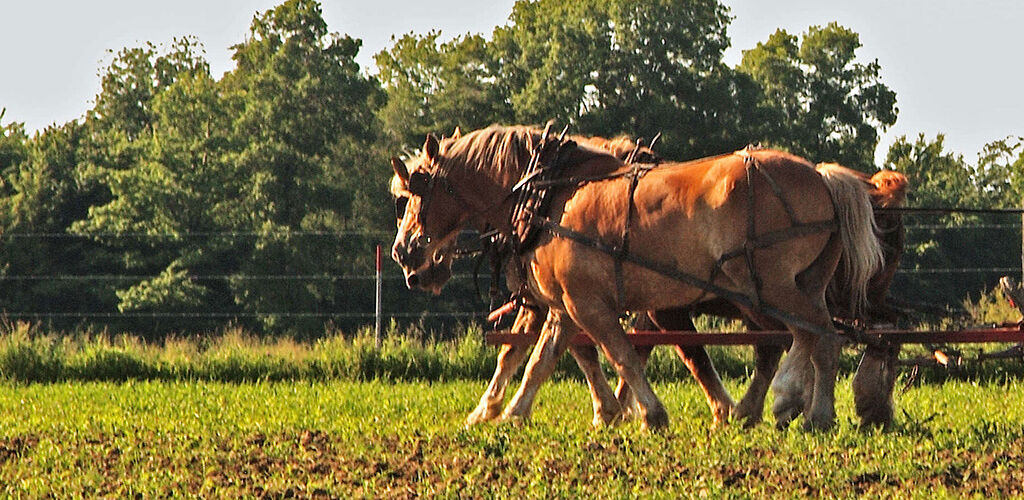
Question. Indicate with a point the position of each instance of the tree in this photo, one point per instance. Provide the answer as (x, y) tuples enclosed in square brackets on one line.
[(44, 196), (999, 174), (158, 155), (13, 149), (665, 74), (938, 178), (941, 179), (824, 105), (434, 88), (623, 66), (307, 117), (246, 179)]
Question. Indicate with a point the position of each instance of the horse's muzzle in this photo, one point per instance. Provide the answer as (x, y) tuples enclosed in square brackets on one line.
[(422, 272)]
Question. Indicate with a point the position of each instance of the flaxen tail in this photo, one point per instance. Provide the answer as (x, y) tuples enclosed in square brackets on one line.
[(862, 252)]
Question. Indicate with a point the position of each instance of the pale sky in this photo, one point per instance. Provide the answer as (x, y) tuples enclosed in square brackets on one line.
[(955, 64)]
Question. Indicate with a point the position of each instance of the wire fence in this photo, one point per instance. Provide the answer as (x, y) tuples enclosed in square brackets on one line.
[(912, 272)]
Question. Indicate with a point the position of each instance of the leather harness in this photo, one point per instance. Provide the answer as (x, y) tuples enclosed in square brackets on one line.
[(530, 216)]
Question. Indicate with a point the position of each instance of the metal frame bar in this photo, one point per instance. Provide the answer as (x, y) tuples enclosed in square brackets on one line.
[(682, 338)]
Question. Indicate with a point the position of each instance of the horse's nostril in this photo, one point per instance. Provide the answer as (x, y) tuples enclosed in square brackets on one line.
[(412, 280)]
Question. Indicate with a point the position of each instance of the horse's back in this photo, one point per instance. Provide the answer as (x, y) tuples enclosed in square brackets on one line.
[(722, 187)]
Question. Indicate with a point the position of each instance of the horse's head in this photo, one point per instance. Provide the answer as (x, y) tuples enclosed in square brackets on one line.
[(890, 189), (624, 147), (430, 215)]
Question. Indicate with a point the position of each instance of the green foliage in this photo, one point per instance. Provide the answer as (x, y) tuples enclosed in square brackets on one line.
[(28, 355), (825, 105), (941, 179), (638, 67), (435, 87), (214, 178), (993, 308), (12, 145), (1000, 173), (938, 177), (257, 198)]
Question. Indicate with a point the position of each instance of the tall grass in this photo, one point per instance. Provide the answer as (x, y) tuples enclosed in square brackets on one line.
[(29, 354)]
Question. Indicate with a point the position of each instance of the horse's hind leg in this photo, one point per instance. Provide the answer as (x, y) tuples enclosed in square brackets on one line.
[(510, 358), (805, 382), (873, 385), (623, 394), (809, 370)]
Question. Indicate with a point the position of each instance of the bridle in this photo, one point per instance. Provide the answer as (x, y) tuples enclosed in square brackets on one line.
[(422, 184)]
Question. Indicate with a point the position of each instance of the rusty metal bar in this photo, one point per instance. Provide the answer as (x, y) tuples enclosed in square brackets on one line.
[(965, 336)]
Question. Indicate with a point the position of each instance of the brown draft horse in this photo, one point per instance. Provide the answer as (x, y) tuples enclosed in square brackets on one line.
[(685, 218), (530, 318), (887, 190)]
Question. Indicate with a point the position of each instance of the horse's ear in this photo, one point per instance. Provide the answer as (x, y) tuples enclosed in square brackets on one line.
[(457, 134), (400, 169), (430, 147)]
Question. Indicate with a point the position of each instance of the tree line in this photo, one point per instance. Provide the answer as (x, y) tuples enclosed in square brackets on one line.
[(249, 195)]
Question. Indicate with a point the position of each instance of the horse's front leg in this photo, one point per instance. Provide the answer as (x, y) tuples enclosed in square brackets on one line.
[(603, 326), (510, 358), (751, 407), (696, 360), (529, 319), (607, 408), (553, 341)]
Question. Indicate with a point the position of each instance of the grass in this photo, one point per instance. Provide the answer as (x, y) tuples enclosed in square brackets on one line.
[(232, 415), (381, 439), (30, 355)]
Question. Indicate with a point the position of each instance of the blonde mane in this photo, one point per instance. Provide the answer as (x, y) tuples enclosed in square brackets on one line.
[(499, 149)]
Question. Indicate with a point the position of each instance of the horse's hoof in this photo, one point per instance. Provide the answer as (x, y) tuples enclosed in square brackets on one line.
[(746, 420), (603, 422), (878, 417), (656, 420), (784, 415), (474, 419), (814, 423), (481, 415), (606, 419), (513, 420)]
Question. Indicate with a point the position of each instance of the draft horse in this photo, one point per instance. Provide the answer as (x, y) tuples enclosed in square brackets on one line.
[(873, 381), (697, 230)]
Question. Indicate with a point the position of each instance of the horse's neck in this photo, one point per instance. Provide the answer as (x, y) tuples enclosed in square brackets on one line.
[(494, 188)]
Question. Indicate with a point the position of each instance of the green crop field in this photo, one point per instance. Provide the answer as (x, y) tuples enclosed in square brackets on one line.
[(345, 439), (233, 415)]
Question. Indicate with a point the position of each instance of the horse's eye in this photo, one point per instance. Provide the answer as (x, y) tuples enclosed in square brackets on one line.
[(400, 204), (419, 183)]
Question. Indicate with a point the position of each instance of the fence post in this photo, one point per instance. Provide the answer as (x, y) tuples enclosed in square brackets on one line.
[(377, 304)]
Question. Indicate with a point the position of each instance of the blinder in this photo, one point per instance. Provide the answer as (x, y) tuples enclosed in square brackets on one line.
[(400, 204), (419, 183)]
